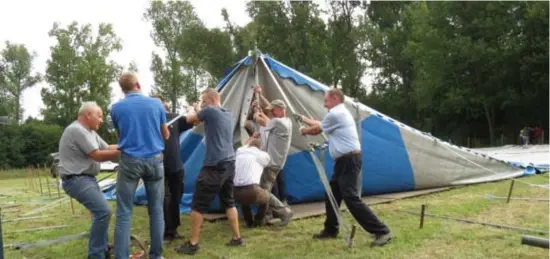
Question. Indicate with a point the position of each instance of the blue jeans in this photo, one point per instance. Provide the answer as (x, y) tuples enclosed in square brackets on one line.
[(86, 191), (131, 170)]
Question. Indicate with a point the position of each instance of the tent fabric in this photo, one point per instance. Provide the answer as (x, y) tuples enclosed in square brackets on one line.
[(395, 156)]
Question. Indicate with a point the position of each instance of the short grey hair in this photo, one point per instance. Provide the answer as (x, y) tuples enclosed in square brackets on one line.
[(87, 106)]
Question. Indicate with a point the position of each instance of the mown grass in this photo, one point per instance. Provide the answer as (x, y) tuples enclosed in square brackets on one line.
[(437, 239)]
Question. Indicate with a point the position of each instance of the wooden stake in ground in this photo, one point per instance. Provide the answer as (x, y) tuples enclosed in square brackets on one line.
[(48, 183), (57, 184), (1, 237), (510, 191), (39, 180), (72, 206), (422, 210)]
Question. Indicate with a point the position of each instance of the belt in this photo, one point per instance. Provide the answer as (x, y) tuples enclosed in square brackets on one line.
[(354, 152), (246, 186), (70, 176)]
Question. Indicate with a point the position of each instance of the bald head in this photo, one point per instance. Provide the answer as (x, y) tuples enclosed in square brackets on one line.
[(128, 82), (210, 97)]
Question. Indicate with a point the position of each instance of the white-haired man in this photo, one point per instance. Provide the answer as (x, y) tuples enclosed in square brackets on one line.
[(80, 151), (345, 184)]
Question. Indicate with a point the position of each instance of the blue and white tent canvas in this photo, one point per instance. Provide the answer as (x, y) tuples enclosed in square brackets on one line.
[(395, 156)]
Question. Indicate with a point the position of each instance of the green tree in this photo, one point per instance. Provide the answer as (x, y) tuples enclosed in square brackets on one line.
[(78, 70), (16, 77), (467, 57), (170, 20), (387, 30)]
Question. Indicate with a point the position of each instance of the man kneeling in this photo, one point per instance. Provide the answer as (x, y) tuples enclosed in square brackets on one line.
[(249, 165)]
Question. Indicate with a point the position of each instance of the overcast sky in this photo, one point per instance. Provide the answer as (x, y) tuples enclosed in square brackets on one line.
[(28, 22)]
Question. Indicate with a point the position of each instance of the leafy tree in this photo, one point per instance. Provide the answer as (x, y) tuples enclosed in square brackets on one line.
[(16, 76), (79, 70), (170, 20)]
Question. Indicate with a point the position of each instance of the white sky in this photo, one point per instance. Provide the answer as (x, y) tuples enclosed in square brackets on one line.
[(28, 22)]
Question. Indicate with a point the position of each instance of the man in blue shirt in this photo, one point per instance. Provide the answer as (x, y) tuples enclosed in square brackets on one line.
[(141, 125), (345, 149)]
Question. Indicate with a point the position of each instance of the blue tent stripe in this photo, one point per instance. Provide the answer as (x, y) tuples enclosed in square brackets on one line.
[(245, 61)]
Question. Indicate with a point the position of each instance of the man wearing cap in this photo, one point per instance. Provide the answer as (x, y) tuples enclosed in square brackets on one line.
[(277, 136)]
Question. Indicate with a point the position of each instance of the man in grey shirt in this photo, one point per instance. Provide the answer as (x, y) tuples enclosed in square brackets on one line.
[(218, 171), (278, 129), (80, 151)]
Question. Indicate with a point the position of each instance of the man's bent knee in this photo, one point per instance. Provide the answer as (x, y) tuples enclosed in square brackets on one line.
[(103, 214)]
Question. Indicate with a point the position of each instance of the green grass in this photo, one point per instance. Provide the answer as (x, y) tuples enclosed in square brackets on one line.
[(438, 239)]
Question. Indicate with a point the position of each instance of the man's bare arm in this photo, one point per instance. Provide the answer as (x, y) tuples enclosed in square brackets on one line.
[(312, 130), (192, 116), (104, 155), (165, 132), (261, 119), (311, 122), (112, 147)]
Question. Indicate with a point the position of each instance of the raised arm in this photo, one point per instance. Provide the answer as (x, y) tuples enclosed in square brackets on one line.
[(192, 116), (264, 103)]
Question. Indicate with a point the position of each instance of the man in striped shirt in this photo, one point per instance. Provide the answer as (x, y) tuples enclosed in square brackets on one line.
[(249, 165)]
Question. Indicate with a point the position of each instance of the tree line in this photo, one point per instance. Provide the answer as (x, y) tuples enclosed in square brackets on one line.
[(455, 69)]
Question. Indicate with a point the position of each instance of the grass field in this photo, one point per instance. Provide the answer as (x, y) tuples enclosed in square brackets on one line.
[(437, 239)]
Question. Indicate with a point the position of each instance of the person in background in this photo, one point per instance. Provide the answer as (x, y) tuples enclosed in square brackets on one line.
[(173, 174), (218, 171), (345, 184), (525, 134), (537, 135), (141, 125), (80, 152)]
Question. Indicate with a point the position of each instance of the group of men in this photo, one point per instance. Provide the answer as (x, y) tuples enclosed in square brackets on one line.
[(148, 150)]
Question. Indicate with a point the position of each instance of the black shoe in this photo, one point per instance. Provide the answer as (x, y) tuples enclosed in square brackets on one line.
[(188, 248), (177, 235), (235, 242), (110, 250), (325, 235)]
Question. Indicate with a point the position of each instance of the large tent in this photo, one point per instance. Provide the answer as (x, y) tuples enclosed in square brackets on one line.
[(396, 157)]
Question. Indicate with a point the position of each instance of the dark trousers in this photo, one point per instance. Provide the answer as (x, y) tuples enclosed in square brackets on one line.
[(279, 189), (173, 190), (346, 183)]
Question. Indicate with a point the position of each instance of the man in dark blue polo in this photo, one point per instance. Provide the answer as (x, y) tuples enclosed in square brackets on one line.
[(173, 174), (141, 125)]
